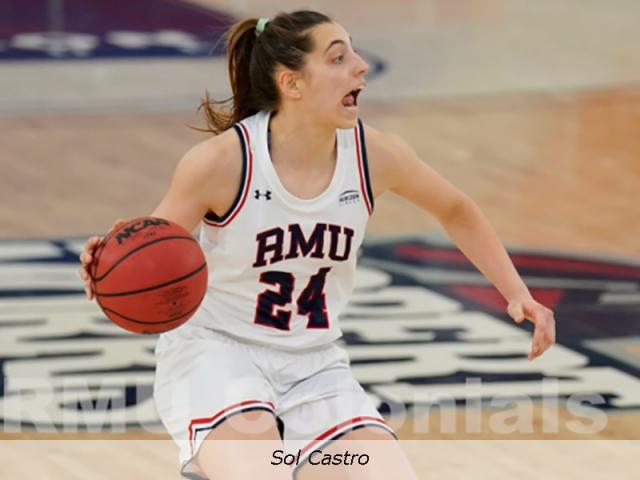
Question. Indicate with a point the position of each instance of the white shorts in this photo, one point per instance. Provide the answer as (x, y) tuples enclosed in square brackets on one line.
[(204, 377)]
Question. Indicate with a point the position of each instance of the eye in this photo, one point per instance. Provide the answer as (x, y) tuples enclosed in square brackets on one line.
[(338, 59)]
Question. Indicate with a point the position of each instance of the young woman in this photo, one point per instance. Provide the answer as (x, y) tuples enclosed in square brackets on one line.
[(283, 191)]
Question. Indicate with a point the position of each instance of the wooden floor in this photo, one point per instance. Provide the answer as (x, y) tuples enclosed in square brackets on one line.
[(550, 170), (463, 459), (553, 168)]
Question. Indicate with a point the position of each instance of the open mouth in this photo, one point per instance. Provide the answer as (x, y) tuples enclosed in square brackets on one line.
[(351, 98)]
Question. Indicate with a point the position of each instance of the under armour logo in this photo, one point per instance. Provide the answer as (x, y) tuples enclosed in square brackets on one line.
[(257, 194)]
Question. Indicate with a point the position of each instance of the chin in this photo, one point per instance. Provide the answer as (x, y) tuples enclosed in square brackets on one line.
[(346, 122), (341, 119)]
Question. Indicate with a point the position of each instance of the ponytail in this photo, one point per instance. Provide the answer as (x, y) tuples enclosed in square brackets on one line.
[(252, 59)]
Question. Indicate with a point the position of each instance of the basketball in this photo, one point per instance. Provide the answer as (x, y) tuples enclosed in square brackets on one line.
[(149, 275)]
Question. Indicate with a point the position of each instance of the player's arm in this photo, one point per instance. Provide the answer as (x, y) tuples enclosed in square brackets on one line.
[(399, 169), (206, 178)]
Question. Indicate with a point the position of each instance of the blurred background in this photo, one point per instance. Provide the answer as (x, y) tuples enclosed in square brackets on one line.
[(531, 108)]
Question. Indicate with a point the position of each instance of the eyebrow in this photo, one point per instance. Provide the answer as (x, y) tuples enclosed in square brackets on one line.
[(336, 42)]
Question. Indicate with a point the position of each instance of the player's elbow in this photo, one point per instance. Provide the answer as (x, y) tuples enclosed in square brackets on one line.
[(460, 206)]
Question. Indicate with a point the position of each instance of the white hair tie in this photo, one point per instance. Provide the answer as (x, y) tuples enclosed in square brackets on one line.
[(261, 24)]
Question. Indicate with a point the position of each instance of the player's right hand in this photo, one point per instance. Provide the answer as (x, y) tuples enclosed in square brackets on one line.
[(86, 257)]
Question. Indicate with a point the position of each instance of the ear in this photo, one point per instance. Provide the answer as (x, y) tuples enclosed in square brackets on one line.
[(288, 82)]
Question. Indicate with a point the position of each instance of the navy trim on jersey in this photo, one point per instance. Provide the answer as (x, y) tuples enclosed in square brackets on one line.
[(210, 216), (365, 165)]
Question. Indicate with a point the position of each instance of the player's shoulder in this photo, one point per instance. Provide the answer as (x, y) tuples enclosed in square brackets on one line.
[(217, 157), (387, 144), (212, 170), (218, 152), (388, 156)]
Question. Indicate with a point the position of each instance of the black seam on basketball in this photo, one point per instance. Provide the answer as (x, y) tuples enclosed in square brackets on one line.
[(148, 289), (121, 259), (97, 299), (150, 322)]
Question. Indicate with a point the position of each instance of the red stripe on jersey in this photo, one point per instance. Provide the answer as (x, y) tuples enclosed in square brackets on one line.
[(363, 185)]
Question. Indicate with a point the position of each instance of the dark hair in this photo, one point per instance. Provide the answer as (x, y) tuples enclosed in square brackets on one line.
[(252, 60)]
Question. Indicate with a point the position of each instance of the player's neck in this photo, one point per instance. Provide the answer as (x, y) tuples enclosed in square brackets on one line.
[(301, 142)]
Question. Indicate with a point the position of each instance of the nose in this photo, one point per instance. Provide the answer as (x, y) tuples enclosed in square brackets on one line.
[(362, 67)]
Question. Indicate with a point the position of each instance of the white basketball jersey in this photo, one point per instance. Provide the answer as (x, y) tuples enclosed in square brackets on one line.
[(281, 268)]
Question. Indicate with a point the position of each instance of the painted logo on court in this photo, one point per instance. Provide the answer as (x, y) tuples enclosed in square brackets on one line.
[(428, 322), (421, 322)]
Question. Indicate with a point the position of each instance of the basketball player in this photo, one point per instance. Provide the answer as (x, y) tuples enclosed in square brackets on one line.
[(283, 192)]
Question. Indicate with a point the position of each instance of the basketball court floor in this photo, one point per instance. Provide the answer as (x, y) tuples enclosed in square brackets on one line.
[(531, 108)]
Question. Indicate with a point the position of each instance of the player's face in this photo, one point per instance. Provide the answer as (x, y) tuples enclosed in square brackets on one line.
[(333, 77)]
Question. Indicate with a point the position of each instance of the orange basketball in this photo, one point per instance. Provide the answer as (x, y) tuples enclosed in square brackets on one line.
[(149, 275)]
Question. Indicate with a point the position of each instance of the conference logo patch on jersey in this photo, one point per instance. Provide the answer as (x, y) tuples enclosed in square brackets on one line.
[(349, 197), (421, 322)]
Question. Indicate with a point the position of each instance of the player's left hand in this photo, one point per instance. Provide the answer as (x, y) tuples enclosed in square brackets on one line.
[(544, 334)]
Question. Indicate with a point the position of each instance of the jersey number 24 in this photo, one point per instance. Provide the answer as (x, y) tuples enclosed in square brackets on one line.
[(311, 301)]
